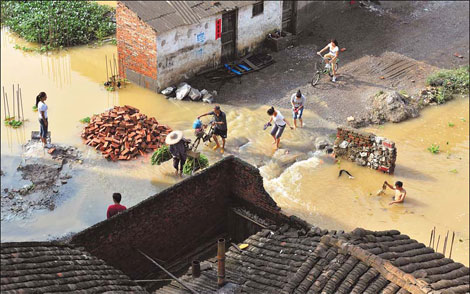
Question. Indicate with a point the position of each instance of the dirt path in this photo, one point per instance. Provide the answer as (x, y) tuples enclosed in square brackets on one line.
[(400, 41)]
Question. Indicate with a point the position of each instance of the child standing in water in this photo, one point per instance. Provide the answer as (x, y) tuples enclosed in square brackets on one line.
[(400, 193)]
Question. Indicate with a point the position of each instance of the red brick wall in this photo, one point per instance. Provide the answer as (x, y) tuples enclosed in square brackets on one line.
[(176, 221), (136, 43)]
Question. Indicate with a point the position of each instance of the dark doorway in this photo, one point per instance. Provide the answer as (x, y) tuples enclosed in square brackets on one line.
[(229, 26), (288, 19)]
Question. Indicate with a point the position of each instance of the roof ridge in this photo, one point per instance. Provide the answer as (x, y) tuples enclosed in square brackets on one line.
[(384, 267)]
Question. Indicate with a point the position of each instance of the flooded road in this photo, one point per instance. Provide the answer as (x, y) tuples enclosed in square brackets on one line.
[(73, 81)]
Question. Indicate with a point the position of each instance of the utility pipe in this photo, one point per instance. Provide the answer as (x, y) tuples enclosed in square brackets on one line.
[(221, 262)]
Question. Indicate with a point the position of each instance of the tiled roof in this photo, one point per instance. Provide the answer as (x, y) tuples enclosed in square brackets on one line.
[(165, 15), (294, 261), (52, 267)]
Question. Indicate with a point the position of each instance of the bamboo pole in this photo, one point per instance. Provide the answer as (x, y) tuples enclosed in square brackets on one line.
[(438, 239), (8, 106), (106, 61), (433, 237), (4, 104), (21, 100), (451, 244), (115, 68), (13, 100), (445, 243), (167, 272), (430, 239), (18, 100), (111, 69)]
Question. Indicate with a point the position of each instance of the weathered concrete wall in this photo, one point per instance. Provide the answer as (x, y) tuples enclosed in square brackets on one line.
[(184, 51), (136, 47), (305, 15), (176, 221), (252, 30), (366, 149)]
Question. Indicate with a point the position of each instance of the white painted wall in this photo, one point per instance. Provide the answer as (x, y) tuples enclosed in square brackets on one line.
[(252, 30), (184, 51)]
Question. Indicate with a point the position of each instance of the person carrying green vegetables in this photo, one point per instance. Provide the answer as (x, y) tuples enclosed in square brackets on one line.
[(177, 149)]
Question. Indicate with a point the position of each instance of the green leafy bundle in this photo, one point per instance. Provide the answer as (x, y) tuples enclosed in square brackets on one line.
[(192, 164), (58, 23), (85, 120), (161, 155)]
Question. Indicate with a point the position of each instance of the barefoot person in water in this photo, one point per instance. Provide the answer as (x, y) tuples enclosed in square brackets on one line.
[(279, 125), (400, 193), (220, 122)]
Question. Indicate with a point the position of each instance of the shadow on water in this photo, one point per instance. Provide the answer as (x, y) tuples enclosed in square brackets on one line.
[(410, 173)]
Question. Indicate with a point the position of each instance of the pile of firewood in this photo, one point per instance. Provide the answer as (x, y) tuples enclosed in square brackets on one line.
[(123, 133)]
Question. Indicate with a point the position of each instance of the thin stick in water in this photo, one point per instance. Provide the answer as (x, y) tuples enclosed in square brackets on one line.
[(4, 103), (433, 237), (430, 239), (18, 101), (438, 239), (451, 244), (445, 243), (8, 106), (106, 61), (13, 100), (21, 100)]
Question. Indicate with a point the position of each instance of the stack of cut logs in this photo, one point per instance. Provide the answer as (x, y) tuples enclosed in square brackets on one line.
[(123, 133)]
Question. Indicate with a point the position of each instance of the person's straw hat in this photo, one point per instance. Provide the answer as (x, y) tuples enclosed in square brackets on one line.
[(173, 137)]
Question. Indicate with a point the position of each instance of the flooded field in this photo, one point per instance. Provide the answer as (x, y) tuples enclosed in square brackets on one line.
[(437, 185)]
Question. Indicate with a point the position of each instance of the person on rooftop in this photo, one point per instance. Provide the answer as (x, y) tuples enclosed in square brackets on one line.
[(116, 207)]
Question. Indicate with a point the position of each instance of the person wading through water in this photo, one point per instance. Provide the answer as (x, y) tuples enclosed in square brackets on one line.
[(279, 125), (43, 119), (220, 122), (298, 103), (177, 149)]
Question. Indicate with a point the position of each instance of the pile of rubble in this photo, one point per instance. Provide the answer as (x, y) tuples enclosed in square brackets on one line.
[(366, 149), (184, 90), (123, 133)]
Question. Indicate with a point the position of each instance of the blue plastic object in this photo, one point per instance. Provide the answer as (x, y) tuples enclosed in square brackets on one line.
[(197, 124), (232, 70), (244, 67)]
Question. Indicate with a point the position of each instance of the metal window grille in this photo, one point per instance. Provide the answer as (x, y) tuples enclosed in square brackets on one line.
[(258, 8)]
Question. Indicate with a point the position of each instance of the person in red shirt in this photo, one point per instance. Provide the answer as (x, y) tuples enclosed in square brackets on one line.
[(116, 207)]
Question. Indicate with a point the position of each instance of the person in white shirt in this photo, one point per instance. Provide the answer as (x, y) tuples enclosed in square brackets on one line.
[(279, 125), (43, 122), (298, 102), (330, 57)]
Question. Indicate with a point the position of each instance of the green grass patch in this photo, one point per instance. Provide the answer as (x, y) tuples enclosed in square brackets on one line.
[(450, 82), (434, 149), (58, 23), (13, 123), (450, 124)]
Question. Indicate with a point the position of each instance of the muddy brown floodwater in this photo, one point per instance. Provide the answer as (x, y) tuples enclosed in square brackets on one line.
[(437, 185)]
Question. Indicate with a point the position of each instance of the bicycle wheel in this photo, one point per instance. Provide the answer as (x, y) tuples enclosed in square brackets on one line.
[(316, 78)]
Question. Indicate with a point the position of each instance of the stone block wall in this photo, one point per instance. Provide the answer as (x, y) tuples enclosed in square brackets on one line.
[(366, 149), (136, 47), (175, 222)]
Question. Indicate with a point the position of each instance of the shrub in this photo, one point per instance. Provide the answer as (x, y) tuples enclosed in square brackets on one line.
[(434, 149), (58, 23), (454, 81)]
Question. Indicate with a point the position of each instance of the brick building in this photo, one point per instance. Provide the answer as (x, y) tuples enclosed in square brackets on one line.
[(161, 43)]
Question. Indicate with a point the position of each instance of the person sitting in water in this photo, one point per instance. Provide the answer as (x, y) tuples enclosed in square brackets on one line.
[(400, 193), (177, 149), (279, 124), (116, 207), (220, 129)]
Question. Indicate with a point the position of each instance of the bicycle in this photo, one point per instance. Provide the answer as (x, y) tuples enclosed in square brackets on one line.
[(321, 69)]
